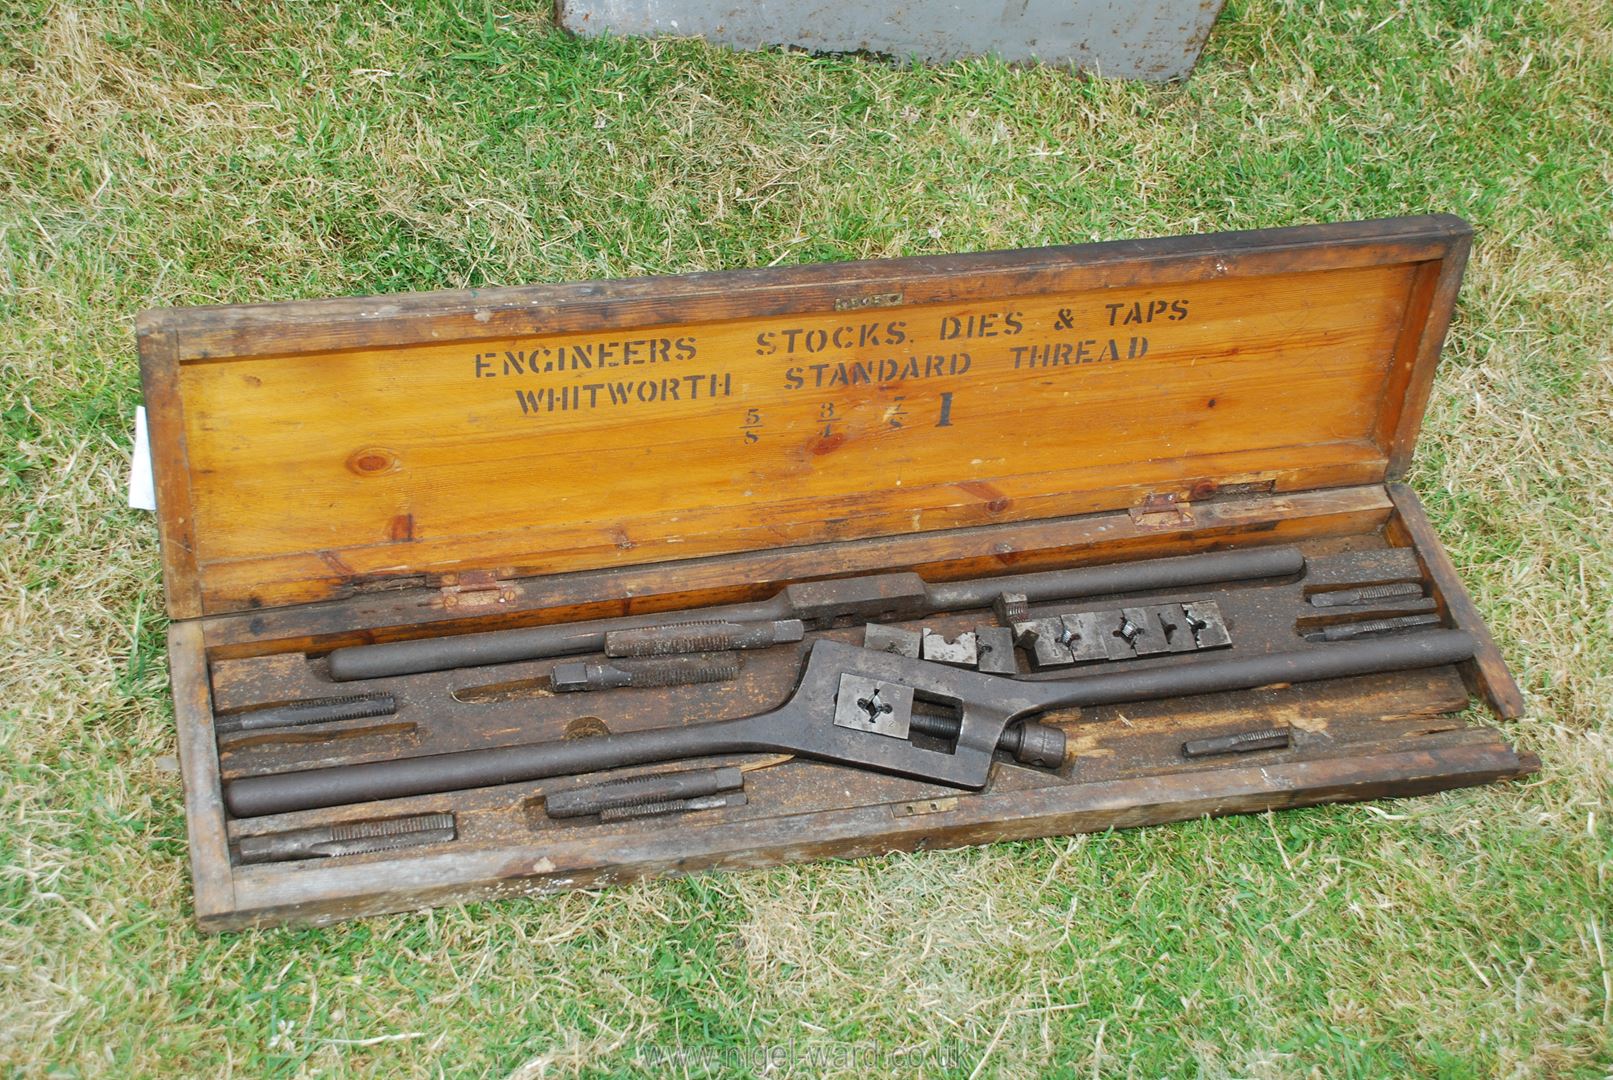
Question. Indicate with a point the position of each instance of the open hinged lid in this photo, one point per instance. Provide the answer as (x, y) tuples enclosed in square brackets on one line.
[(305, 449)]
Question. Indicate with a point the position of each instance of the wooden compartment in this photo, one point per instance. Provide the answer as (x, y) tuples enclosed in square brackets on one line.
[(334, 473)]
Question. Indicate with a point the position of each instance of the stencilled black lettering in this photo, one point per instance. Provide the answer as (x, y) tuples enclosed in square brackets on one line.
[(843, 375), (1059, 354), (574, 356), (1143, 312), (882, 372), (624, 393)]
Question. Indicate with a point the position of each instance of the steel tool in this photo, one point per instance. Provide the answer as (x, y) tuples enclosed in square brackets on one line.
[(995, 646), (962, 651), (672, 806), (1346, 597), (326, 710), (1056, 641), (1242, 742), (1203, 620), (643, 791), (656, 671), (1348, 631), (701, 637), (351, 838), (894, 640), (1011, 608), (855, 707), (819, 604)]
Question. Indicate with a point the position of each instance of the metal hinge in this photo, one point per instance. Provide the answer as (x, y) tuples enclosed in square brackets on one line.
[(477, 588), (925, 806)]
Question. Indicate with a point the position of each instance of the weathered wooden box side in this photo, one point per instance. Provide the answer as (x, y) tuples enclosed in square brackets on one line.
[(1391, 742)]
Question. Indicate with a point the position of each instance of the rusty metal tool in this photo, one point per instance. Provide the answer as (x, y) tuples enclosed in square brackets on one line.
[(579, 675), (1350, 630), (672, 806), (637, 791), (854, 707), (1241, 743), (893, 639), (1011, 608), (1134, 632), (995, 648), (962, 651), (819, 604), (701, 637), (1063, 640), (1205, 623), (325, 710), (1365, 594), (350, 838), (1055, 641)]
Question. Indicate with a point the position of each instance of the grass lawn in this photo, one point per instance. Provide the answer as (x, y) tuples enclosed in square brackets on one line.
[(169, 153)]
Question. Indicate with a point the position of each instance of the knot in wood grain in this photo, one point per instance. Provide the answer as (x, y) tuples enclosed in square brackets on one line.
[(372, 461)]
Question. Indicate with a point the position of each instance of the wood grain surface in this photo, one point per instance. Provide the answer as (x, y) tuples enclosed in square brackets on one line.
[(347, 471), (693, 422)]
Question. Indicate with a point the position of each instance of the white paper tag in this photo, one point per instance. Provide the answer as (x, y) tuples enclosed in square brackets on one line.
[(142, 488)]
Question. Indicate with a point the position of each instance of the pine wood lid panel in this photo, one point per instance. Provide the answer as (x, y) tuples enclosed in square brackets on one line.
[(1055, 384)]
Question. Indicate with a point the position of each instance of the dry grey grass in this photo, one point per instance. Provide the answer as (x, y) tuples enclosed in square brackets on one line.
[(163, 154)]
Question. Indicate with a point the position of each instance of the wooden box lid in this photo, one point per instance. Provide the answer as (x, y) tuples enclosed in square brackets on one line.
[(304, 450)]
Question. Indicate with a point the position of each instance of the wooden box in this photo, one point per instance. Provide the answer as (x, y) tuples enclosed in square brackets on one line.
[(332, 473)]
